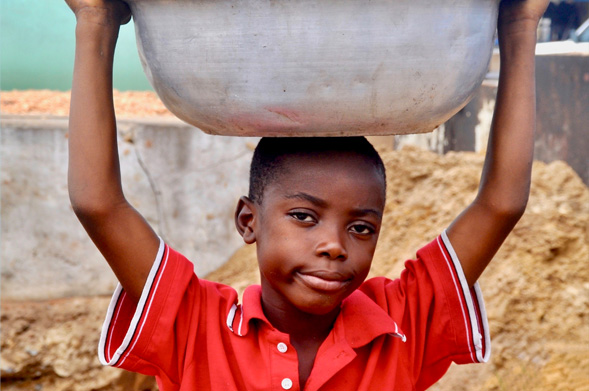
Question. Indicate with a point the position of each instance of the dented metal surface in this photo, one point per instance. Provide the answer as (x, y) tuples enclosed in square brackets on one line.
[(331, 67)]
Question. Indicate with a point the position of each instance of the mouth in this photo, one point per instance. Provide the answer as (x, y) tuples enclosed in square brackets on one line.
[(324, 281)]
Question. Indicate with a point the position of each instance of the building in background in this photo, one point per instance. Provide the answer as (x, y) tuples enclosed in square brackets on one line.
[(37, 44), (564, 17), (37, 48)]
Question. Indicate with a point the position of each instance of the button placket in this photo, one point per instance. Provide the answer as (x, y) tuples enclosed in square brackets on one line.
[(283, 362)]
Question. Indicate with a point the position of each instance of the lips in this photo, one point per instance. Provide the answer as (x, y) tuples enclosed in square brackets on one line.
[(323, 280)]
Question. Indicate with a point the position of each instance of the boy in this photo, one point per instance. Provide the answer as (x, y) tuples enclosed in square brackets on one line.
[(314, 210)]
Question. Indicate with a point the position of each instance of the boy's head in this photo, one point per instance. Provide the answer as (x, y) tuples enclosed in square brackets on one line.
[(271, 154), (314, 209)]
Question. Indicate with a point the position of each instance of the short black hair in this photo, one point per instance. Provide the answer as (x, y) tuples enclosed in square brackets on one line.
[(271, 152)]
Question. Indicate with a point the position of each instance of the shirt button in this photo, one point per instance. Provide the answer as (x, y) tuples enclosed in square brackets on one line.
[(286, 383), (282, 348)]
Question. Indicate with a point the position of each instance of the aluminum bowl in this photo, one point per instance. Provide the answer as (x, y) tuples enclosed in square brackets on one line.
[(305, 68)]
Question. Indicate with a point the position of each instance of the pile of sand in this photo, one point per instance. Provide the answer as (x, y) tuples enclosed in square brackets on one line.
[(128, 104), (536, 289)]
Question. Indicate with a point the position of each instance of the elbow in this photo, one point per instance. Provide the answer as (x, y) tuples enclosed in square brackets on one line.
[(92, 208), (85, 210), (507, 201), (512, 213), (508, 211), (514, 207)]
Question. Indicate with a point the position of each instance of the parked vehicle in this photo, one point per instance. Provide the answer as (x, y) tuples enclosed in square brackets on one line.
[(578, 42), (582, 33)]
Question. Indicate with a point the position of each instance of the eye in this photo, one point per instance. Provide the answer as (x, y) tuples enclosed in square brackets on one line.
[(302, 217), (362, 229)]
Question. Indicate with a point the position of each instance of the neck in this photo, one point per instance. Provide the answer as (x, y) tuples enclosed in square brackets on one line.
[(300, 325)]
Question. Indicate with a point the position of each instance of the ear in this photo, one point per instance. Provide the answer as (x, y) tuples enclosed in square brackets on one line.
[(244, 219)]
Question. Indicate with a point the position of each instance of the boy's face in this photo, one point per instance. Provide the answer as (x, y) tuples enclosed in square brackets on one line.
[(316, 231)]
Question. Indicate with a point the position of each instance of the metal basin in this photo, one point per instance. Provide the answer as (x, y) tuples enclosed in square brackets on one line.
[(321, 67)]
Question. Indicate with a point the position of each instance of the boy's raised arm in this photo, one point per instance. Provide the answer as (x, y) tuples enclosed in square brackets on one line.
[(479, 231), (121, 234)]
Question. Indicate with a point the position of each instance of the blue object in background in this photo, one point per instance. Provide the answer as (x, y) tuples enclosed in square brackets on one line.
[(37, 48)]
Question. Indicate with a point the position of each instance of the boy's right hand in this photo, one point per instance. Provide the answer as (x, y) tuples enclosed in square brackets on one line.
[(122, 235), (115, 11)]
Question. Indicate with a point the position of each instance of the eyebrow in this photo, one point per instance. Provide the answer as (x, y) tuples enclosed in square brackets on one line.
[(322, 204), (307, 197)]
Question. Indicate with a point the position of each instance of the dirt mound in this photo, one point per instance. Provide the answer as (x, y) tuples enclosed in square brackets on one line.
[(51, 346), (536, 290), (39, 102)]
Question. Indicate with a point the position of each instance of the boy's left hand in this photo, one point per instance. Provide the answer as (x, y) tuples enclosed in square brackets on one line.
[(516, 11)]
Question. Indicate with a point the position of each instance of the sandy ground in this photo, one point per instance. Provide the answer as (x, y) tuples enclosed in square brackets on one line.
[(536, 289), (127, 104)]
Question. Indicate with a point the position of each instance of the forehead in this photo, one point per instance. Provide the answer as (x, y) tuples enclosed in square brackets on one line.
[(343, 173)]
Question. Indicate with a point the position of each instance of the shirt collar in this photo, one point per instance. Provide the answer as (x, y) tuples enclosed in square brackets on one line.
[(361, 318)]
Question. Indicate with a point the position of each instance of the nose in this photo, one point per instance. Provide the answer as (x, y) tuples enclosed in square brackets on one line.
[(331, 244)]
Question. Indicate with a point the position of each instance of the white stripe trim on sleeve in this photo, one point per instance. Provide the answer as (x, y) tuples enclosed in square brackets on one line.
[(463, 288), (141, 306)]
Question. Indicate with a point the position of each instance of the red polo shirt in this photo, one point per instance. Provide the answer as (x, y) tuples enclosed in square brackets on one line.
[(391, 334)]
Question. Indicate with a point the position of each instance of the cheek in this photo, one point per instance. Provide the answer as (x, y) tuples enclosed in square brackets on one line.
[(364, 268), (363, 258), (274, 256)]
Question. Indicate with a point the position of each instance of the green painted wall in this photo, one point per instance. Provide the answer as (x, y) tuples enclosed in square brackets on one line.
[(37, 48)]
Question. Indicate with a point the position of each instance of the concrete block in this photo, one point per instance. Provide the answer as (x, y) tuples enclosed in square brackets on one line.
[(186, 183)]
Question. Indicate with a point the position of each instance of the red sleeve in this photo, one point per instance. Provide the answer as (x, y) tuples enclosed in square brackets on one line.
[(153, 336), (461, 315), (443, 319)]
